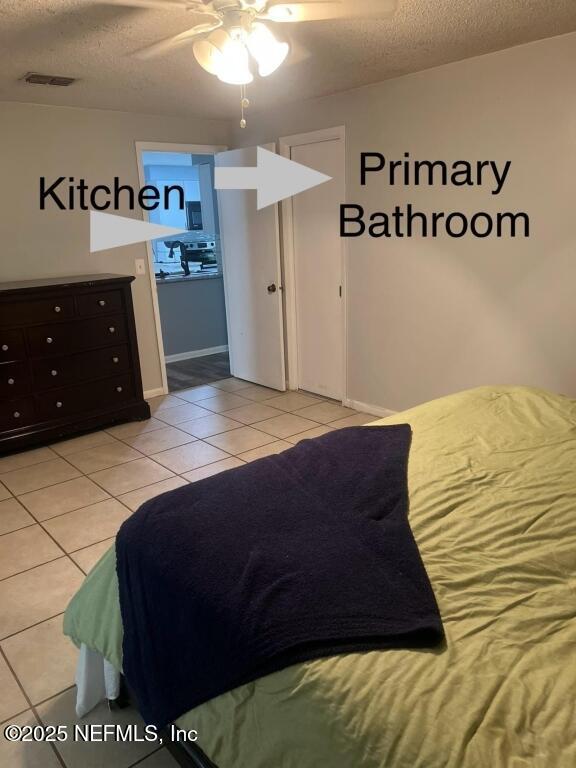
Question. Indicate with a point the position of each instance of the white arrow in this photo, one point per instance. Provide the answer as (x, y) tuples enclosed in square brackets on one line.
[(274, 178), (109, 231)]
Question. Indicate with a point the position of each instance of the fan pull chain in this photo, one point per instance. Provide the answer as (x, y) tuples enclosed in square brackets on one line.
[(244, 104)]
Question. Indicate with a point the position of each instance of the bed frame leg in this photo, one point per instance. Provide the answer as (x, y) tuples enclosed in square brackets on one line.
[(187, 755), (122, 701)]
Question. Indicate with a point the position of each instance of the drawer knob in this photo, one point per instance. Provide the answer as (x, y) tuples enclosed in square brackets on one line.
[(53, 372), (16, 414), (102, 303), (112, 329), (4, 347), (10, 380), (57, 309), (59, 403), (49, 340), (115, 359), (118, 389)]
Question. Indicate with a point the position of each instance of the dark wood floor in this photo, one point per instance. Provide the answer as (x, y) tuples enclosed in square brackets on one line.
[(197, 370)]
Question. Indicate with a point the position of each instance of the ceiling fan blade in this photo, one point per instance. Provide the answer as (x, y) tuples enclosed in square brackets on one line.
[(321, 10), (160, 5), (298, 53), (171, 43)]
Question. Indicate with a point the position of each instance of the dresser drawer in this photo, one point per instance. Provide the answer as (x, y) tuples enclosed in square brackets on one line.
[(85, 366), (14, 380), (101, 303), (50, 340), (38, 311), (12, 345), (17, 413), (84, 398)]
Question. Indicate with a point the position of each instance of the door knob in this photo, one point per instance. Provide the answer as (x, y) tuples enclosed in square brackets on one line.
[(271, 288)]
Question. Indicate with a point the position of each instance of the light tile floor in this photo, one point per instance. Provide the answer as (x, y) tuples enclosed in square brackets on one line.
[(60, 508)]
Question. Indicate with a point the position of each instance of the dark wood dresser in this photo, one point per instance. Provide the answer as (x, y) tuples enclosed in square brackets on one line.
[(68, 359)]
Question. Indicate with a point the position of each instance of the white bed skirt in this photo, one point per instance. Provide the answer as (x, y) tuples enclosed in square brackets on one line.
[(96, 680)]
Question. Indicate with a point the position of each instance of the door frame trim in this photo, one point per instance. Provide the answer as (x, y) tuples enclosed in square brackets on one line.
[(285, 144), (164, 146)]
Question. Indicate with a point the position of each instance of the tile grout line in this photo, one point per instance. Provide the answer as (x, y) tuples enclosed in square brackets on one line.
[(55, 695), (14, 716), (36, 624), (111, 495), (100, 541), (27, 570), (31, 706), (76, 469), (35, 464), (57, 543), (178, 474), (22, 527)]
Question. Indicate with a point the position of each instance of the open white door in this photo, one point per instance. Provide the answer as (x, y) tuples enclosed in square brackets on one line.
[(251, 263)]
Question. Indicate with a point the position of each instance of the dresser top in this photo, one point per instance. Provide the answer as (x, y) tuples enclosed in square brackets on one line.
[(63, 282)]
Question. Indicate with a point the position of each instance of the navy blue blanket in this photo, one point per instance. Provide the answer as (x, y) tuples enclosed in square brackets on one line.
[(304, 554)]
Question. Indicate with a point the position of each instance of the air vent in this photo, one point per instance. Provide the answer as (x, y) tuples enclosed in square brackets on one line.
[(36, 79)]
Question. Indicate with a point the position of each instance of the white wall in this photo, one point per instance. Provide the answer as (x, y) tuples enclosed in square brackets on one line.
[(426, 317), (96, 145), (430, 317)]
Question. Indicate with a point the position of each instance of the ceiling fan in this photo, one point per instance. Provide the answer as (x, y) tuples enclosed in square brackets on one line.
[(229, 37)]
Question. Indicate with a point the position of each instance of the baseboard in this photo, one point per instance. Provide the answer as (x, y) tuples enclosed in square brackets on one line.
[(367, 408), (195, 353), (153, 393)]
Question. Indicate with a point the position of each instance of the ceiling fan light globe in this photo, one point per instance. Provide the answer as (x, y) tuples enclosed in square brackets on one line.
[(281, 13), (236, 77), (234, 66), (224, 56), (268, 52), (209, 51), (207, 55)]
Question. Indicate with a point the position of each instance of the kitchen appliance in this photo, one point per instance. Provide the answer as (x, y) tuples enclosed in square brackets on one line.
[(198, 257), (194, 215)]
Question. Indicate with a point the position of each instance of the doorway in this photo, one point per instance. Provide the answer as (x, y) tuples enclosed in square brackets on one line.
[(314, 264), (186, 270), (283, 278)]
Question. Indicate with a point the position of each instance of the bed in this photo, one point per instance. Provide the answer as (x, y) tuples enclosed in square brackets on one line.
[(492, 485)]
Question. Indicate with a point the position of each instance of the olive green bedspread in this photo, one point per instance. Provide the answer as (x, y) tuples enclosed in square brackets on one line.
[(492, 479)]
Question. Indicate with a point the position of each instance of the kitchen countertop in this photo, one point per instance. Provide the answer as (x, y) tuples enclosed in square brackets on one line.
[(187, 278)]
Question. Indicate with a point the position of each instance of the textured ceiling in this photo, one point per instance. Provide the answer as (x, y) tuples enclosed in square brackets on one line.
[(95, 42)]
